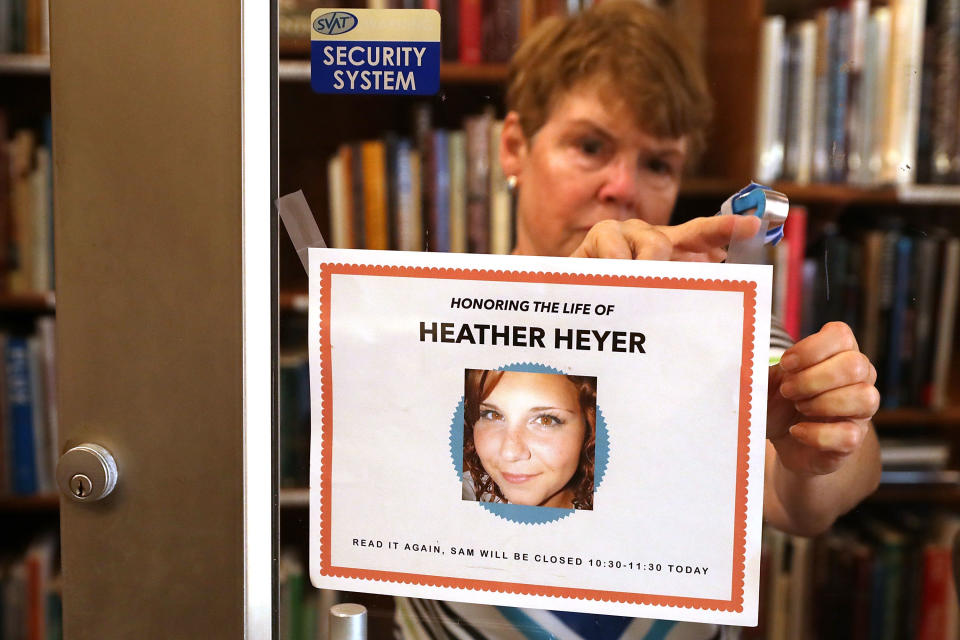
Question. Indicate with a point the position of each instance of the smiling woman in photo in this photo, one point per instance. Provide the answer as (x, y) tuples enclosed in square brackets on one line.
[(529, 438)]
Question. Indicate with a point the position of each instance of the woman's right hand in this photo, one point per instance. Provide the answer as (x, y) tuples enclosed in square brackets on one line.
[(698, 240)]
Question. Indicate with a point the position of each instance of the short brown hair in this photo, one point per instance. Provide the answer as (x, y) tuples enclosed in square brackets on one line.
[(632, 49)]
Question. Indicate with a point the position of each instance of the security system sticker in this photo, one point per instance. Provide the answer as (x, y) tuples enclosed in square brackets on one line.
[(376, 51), (552, 433)]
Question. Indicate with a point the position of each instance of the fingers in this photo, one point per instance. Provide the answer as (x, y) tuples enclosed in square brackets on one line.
[(840, 370), (842, 437), (699, 240), (631, 239), (604, 240), (702, 235), (833, 338), (854, 401)]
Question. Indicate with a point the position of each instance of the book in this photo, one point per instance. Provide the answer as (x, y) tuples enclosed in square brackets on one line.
[(826, 20), (769, 143), (946, 320), (802, 98), (440, 200), (22, 148), (877, 81), (501, 26), (945, 162), (838, 73), (357, 193), (340, 223), (891, 392), (6, 204), (41, 432), (458, 191), (501, 220), (450, 29), (857, 117), (409, 220), (906, 56), (471, 31), (19, 403), (923, 304), (375, 231), (795, 237), (478, 181)]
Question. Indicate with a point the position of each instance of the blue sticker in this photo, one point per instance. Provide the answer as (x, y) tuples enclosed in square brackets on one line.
[(375, 51), (527, 514)]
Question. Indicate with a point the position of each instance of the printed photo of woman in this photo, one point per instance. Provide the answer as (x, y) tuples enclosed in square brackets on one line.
[(529, 438)]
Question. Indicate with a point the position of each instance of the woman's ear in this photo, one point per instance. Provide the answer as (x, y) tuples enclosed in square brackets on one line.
[(513, 147)]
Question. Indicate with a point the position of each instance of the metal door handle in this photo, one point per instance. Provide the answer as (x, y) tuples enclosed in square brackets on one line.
[(87, 473)]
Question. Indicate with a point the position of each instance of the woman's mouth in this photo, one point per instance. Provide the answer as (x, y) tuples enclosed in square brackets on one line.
[(518, 478)]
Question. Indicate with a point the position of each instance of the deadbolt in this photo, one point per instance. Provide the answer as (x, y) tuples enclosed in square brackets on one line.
[(87, 473)]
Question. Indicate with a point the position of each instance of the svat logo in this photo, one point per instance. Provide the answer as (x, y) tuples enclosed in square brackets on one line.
[(334, 23)]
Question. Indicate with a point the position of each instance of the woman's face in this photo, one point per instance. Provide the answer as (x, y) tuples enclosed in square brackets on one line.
[(529, 436), (588, 163)]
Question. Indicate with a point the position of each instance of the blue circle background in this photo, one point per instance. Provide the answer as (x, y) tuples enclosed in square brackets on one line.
[(527, 514)]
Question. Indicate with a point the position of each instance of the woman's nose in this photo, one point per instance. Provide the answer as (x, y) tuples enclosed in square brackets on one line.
[(621, 186), (514, 447)]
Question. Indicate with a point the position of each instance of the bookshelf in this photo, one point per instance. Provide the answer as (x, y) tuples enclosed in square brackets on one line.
[(731, 47)]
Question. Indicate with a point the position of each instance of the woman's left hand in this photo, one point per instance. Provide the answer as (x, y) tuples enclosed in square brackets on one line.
[(821, 398)]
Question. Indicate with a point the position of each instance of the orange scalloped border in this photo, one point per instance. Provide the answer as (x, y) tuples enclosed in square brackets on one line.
[(749, 291)]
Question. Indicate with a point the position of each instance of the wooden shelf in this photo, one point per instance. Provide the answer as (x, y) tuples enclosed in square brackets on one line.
[(918, 486), (949, 417), (29, 303), (44, 502), (24, 64)]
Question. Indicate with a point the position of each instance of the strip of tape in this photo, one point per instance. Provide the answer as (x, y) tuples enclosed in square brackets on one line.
[(300, 225)]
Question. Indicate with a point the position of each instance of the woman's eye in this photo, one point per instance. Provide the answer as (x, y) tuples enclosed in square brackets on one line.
[(489, 414), (547, 420), (591, 146), (660, 167)]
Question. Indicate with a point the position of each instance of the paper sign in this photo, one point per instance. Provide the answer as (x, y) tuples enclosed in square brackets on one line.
[(558, 433), (376, 51)]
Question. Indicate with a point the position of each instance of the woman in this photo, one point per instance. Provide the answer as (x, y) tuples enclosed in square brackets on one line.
[(606, 109), (529, 438)]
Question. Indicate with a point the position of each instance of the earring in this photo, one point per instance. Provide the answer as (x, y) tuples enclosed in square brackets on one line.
[(512, 183)]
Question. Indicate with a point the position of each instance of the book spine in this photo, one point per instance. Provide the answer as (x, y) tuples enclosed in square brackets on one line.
[(826, 28), (946, 129), (881, 30), (376, 232), (441, 197), (895, 336), (905, 87), (450, 29), (20, 406), (471, 31), (946, 319), (795, 233), (339, 219), (358, 215), (478, 182), (837, 113), (6, 204), (458, 192), (408, 197), (501, 223), (856, 123), (769, 146)]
